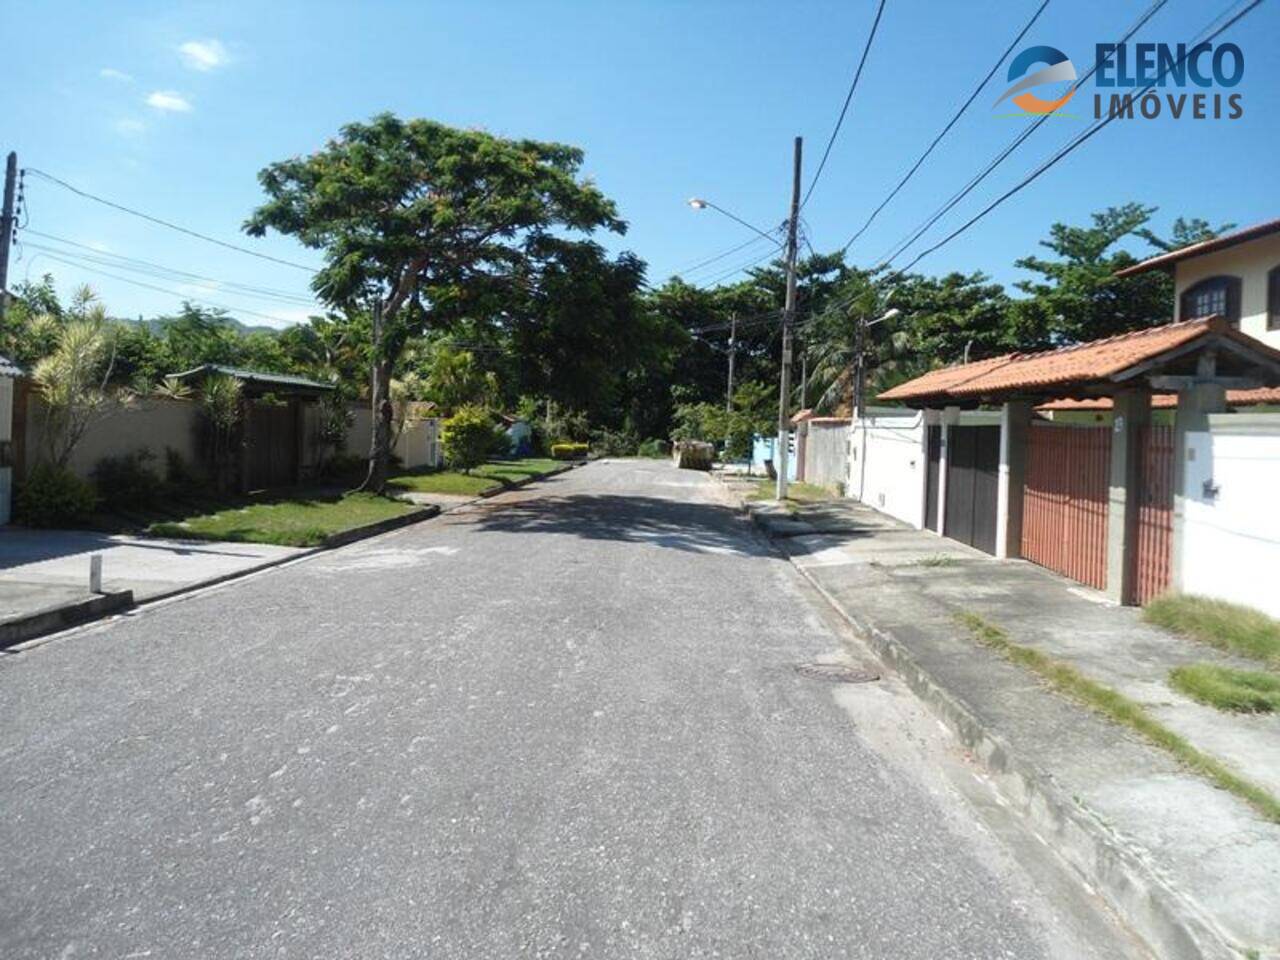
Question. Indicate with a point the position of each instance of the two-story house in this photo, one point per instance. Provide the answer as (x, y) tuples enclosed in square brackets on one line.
[(1236, 275)]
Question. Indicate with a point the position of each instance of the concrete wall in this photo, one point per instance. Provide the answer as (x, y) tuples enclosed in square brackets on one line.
[(419, 444), (762, 450), (155, 424), (826, 457), (1230, 545), (887, 461), (1251, 262)]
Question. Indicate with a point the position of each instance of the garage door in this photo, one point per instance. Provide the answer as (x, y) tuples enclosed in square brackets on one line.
[(973, 467)]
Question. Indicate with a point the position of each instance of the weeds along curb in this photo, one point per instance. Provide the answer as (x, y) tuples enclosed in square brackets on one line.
[(1171, 925)]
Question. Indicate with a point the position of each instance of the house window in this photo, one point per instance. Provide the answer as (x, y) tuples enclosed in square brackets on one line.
[(1216, 295), (1273, 299)]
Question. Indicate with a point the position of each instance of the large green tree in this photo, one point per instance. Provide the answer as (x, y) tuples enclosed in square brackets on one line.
[(425, 224)]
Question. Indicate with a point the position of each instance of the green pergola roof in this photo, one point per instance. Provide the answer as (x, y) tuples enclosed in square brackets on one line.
[(258, 380)]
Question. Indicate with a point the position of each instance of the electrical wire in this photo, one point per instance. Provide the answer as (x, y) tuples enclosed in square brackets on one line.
[(181, 296), (950, 123), (857, 75), (164, 223), (161, 272), (1013, 145), (1078, 141)]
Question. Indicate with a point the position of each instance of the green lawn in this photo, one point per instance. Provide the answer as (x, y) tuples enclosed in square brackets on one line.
[(494, 475), (797, 491), (298, 521), (1227, 626)]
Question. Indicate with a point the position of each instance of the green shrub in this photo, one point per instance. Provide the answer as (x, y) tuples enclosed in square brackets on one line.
[(178, 472), (54, 497), (569, 451), (1241, 691), (614, 443), (654, 448), (344, 466), (126, 481), (469, 438)]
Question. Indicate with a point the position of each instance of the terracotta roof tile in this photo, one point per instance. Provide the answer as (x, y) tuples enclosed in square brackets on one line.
[(1085, 363), (1165, 401)]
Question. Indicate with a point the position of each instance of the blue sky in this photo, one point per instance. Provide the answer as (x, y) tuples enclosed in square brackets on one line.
[(173, 108)]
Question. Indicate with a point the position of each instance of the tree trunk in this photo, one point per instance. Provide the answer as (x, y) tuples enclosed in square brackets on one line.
[(380, 444)]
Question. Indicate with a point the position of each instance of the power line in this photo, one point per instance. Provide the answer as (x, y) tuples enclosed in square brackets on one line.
[(857, 75), (1014, 144), (950, 123), (161, 272), (1079, 140), (164, 223), (1204, 36), (181, 296), (710, 260)]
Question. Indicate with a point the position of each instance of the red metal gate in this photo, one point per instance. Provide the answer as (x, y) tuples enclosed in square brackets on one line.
[(1153, 541), (1064, 505)]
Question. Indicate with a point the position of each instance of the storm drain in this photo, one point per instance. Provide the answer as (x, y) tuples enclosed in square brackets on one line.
[(835, 673)]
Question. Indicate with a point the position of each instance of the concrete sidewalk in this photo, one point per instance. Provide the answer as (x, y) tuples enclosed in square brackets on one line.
[(44, 571), (1195, 869)]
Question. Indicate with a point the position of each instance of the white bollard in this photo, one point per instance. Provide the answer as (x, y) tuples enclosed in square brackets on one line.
[(95, 573)]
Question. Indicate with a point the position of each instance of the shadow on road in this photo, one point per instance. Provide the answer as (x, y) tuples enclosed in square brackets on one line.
[(678, 525)]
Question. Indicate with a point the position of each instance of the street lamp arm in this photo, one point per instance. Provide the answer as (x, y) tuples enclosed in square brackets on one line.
[(699, 203)]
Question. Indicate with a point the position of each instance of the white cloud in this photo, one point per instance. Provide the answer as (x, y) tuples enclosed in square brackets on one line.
[(129, 127), (168, 100), (111, 73), (203, 55)]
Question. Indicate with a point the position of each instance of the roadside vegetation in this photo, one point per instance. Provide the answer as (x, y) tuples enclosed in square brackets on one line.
[(1120, 709), (1237, 691), (298, 521), (486, 478), (1227, 626), (797, 492)]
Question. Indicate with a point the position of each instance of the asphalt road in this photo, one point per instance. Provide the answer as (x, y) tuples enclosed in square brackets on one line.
[(563, 723)]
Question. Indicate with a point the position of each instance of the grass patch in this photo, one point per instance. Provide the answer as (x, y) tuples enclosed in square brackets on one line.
[(797, 492), (1227, 626), (1120, 709), (299, 521), (1239, 691), (493, 475), (937, 560)]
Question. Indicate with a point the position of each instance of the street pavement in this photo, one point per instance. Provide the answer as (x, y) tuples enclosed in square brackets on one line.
[(564, 722)]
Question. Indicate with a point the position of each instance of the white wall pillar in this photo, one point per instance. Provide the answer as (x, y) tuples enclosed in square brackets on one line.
[(950, 417), (1192, 416)]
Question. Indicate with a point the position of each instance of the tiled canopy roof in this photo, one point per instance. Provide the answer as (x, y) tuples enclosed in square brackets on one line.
[(1094, 363), (1164, 401), (1256, 232)]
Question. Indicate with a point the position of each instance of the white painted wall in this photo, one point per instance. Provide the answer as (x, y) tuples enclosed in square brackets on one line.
[(887, 461), (1231, 541), (1251, 262)]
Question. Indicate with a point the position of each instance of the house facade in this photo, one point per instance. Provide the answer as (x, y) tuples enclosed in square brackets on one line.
[(1236, 276)]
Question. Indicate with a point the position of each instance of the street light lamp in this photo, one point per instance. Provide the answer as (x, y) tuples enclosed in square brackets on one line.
[(860, 359), (699, 203)]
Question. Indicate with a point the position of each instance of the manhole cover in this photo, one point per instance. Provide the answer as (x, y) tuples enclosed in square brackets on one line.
[(835, 673)]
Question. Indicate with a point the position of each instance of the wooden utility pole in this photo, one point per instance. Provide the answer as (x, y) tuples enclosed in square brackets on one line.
[(733, 349), (6, 229)]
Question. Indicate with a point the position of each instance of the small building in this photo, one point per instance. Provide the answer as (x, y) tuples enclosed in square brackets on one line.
[(9, 372), (275, 447)]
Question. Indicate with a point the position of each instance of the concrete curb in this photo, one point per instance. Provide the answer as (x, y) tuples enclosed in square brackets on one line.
[(1169, 923), (52, 619), (22, 630)]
